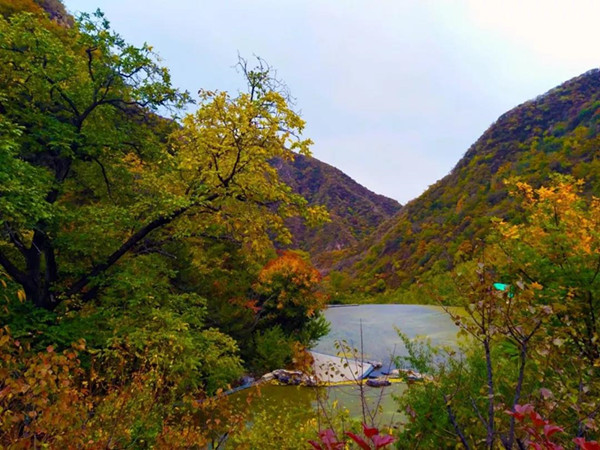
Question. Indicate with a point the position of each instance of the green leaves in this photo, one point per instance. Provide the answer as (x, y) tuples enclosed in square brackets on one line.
[(22, 186)]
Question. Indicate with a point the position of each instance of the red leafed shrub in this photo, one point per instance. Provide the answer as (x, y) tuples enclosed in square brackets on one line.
[(540, 431), (329, 440)]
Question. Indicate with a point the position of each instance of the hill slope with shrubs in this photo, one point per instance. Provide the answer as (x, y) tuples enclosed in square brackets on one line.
[(555, 132)]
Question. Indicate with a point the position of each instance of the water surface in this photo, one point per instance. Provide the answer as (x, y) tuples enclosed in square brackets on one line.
[(380, 341), (379, 323)]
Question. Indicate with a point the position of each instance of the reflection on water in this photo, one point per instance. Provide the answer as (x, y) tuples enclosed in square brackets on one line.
[(302, 402), (377, 399), (380, 341), (379, 322)]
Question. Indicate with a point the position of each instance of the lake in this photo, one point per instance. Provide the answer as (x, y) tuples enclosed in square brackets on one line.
[(380, 342), (379, 323)]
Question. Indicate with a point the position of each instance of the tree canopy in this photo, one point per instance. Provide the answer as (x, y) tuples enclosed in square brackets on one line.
[(92, 173)]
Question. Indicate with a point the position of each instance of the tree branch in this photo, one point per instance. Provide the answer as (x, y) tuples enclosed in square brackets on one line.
[(15, 239), (457, 428), (12, 270), (105, 176), (125, 247)]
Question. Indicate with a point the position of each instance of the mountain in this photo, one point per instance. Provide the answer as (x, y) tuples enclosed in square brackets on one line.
[(355, 211), (556, 132), (53, 8)]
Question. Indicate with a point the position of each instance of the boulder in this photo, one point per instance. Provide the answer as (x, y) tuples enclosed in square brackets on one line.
[(378, 382), (267, 377)]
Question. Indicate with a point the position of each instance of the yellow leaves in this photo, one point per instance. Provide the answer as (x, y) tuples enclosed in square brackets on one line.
[(316, 215), (525, 189), (510, 231), (536, 286), (21, 295), (226, 147)]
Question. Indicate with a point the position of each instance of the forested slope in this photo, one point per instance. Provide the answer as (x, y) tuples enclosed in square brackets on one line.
[(355, 211), (556, 132)]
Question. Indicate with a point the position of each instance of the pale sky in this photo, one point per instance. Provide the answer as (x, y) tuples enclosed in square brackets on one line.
[(393, 91)]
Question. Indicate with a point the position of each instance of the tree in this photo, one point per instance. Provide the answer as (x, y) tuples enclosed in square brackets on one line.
[(73, 98), (531, 343), (111, 179), (558, 247), (288, 295)]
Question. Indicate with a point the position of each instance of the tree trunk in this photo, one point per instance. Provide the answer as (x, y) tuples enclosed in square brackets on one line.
[(41, 272)]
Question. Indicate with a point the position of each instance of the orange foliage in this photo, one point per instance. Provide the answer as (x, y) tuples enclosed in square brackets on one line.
[(302, 359), (9, 7), (41, 396), (48, 400), (289, 280)]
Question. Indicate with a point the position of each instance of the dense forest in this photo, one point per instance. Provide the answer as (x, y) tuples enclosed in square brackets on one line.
[(152, 258)]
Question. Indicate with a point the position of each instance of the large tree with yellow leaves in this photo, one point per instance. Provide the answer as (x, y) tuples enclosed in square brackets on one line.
[(91, 175)]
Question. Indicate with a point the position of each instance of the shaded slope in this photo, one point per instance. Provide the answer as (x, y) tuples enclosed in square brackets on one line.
[(355, 211), (556, 132)]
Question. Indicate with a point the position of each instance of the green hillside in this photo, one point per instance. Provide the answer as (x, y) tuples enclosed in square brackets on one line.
[(556, 132)]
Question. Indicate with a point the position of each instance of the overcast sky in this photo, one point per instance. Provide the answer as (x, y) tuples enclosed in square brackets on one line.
[(394, 92)]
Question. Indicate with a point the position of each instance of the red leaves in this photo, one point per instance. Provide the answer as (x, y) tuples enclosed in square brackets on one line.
[(586, 445), (360, 441), (381, 441), (549, 430), (521, 411), (540, 432), (537, 420), (330, 442), (370, 431)]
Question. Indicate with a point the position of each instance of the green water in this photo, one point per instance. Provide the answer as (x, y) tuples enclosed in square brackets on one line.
[(304, 401), (380, 342)]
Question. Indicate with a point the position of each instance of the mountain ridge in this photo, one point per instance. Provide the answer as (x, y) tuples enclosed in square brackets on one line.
[(555, 132), (355, 210)]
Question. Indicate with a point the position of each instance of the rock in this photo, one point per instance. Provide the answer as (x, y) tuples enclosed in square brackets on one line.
[(395, 373), (310, 381), (286, 373), (293, 377), (247, 380), (284, 378), (267, 377), (378, 382)]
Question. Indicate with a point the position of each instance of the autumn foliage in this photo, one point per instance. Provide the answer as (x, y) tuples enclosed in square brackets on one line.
[(48, 399), (289, 283)]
